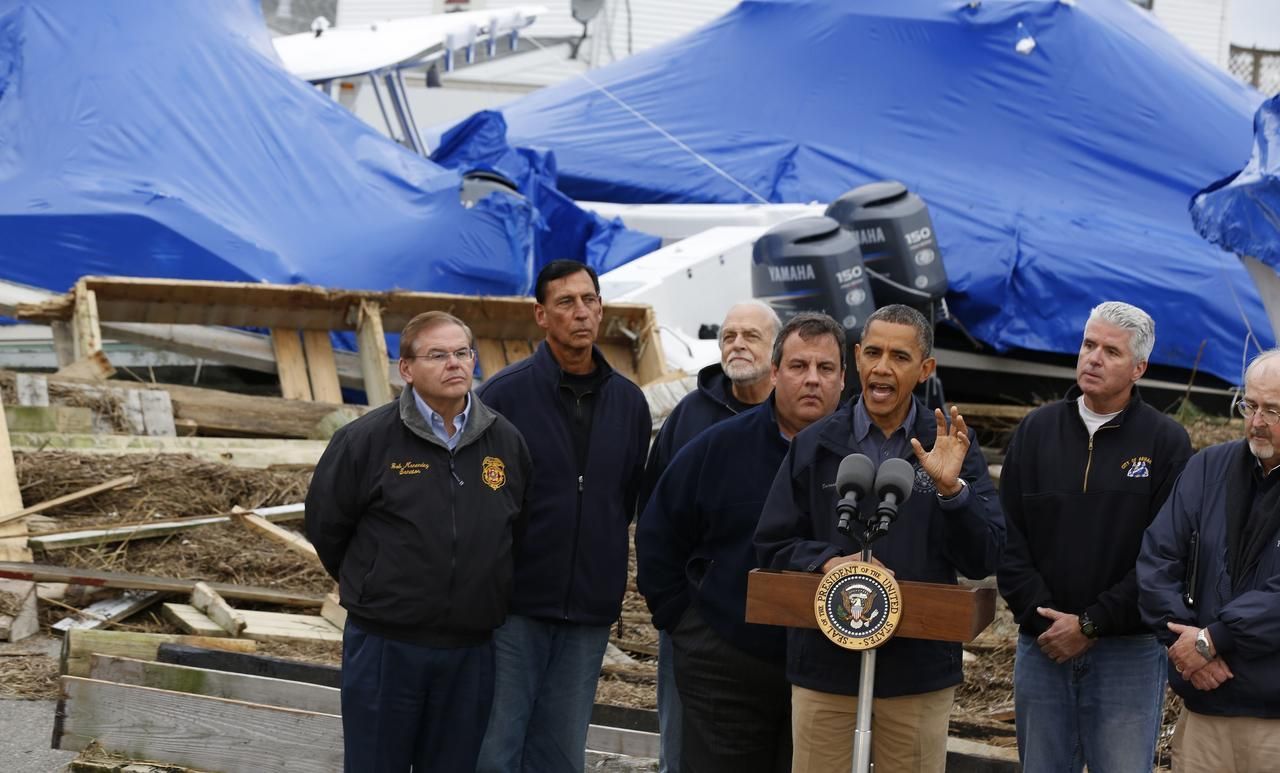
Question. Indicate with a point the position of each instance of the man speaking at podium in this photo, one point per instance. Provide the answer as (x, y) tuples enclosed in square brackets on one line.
[(951, 522)]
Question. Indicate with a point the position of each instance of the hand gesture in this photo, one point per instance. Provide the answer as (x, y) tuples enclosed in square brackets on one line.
[(944, 461)]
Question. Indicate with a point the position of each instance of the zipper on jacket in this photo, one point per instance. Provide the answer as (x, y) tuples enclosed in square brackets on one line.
[(453, 547), (1089, 461), (573, 557)]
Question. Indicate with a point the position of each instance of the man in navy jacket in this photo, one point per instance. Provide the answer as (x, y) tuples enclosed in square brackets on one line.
[(950, 523), (694, 550), (587, 428), (740, 380), (1209, 584)]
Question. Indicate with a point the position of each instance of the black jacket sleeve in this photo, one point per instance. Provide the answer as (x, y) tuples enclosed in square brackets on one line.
[(669, 531), (335, 502), (1020, 583), (785, 536), (1162, 563)]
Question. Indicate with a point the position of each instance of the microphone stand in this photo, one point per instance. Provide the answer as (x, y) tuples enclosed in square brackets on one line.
[(866, 690)]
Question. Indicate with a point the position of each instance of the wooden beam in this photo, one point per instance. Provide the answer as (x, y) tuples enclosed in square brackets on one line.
[(157, 412), (95, 577), (373, 354), (260, 626), (216, 684), (13, 536), (322, 368), (291, 364), (70, 538), (18, 602), (79, 644), (616, 740), (32, 389), (88, 336), (333, 611), (195, 730), (247, 663), (208, 601), (291, 540), (49, 418), (64, 342), (191, 620), (75, 496), (104, 612), (257, 453), (95, 367)]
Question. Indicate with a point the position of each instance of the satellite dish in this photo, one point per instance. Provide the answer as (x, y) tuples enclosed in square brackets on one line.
[(585, 10)]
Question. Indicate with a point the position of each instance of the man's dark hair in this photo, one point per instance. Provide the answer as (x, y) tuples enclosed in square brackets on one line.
[(898, 314), (809, 325), (558, 269), (425, 321)]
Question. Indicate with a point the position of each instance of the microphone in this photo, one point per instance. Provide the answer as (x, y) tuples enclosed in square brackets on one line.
[(893, 485), (854, 480)]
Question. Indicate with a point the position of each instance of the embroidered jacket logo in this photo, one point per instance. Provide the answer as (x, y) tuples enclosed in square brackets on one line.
[(1137, 467), (493, 472)]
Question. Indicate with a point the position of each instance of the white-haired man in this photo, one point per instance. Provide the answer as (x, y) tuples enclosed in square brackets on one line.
[(1082, 480)]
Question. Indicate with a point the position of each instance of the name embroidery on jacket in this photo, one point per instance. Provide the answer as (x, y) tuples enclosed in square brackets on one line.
[(410, 468)]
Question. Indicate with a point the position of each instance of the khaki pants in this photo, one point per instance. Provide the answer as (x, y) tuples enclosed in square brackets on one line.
[(908, 734), (1209, 744)]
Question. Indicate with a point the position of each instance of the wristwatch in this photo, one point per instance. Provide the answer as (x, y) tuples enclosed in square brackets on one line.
[(1202, 645), (1087, 626)]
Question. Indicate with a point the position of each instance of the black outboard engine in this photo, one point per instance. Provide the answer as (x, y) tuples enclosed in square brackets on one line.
[(812, 264), (899, 248)]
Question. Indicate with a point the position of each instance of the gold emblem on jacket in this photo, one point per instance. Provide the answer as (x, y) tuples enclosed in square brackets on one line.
[(494, 473)]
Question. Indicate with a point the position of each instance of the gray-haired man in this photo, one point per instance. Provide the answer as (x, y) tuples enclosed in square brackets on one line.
[(1082, 480)]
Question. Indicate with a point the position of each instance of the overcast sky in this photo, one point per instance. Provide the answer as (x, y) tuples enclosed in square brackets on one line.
[(1256, 23)]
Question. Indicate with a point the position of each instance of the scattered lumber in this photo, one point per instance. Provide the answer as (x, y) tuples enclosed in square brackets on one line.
[(13, 536), (617, 740), (104, 612), (259, 626), (111, 765), (45, 573), (32, 389), (208, 601), (75, 496), (216, 684), (70, 538), (48, 418), (638, 647), (291, 540), (199, 656), (18, 614), (240, 452), (333, 611), (195, 730), (78, 645), (966, 756)]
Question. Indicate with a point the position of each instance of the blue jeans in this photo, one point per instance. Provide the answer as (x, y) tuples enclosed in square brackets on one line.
[(669, 711), (545, 687), (1101, 709), (409, 705)]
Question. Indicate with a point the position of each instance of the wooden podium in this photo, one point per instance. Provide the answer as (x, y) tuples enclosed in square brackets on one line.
[(929, 610)]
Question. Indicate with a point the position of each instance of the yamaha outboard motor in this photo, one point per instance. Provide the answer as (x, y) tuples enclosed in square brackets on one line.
[(899, 248), (812, 264)]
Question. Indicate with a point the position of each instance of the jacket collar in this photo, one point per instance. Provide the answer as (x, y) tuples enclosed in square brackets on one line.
[(481, 417), (837, 433), (546, 365), (1135, 399)]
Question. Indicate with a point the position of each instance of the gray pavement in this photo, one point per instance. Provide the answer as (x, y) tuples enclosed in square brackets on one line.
[(26, 728)]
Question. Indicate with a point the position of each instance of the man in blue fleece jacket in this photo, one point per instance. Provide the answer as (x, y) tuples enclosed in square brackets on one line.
[(694, 549)]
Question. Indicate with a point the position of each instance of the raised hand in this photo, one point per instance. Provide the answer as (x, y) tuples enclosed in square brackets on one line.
[(944, 461)]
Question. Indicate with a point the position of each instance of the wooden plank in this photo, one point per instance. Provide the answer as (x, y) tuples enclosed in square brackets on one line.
[(291, 540), (516, 350), (49, 418), (64, 342), (191, 620), (333, 611), (87, 335), (208, 601), (492, 354), (929, 610), (18, 604), (95, 367), (78, 645), (620, 356), (104, 612), (373, 354), (13, 536), (95, 577), (239, 452), (70, 538), (616, 740), (651, 361), (32, 389), (246, 663), (157, 413), (75, 496), (217, 684), (966, 756), (321, 367), (291, 364), (281, 626), (229, 736)]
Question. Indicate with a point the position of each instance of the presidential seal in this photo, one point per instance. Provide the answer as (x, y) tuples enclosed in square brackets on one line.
[(493, 472), (858, 606)]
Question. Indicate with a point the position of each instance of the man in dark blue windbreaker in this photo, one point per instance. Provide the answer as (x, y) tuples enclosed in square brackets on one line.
[(694, 550), (587, 428), (1209, 585)]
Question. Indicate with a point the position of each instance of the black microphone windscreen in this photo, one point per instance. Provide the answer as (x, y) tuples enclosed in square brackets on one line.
[(897, 476), (857, 473)]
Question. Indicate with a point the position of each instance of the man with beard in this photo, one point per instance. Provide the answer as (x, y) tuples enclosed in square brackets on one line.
[(739, 381), (1209, 584), (694, 550)]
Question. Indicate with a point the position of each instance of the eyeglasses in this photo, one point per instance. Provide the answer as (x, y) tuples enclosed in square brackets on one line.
[(463, 356), (1269, 416)]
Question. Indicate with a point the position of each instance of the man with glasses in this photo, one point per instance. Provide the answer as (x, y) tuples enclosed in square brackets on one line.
[(588, 428), (414, 508), (1209, 584), (1082, 480)]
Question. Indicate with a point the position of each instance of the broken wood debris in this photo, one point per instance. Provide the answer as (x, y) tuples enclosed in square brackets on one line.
[(207, 600), (46, 573), (61, 540), (293, 541), (107, 611), (114, 483), (79, 644)]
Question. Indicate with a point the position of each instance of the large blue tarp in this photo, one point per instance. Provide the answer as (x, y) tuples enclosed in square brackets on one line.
[(1241, 213), (163, 138), (1056, 144)]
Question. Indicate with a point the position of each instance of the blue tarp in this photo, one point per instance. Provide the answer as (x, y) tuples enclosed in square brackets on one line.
[(1056, 143), (1241, 213), (163, 138)]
